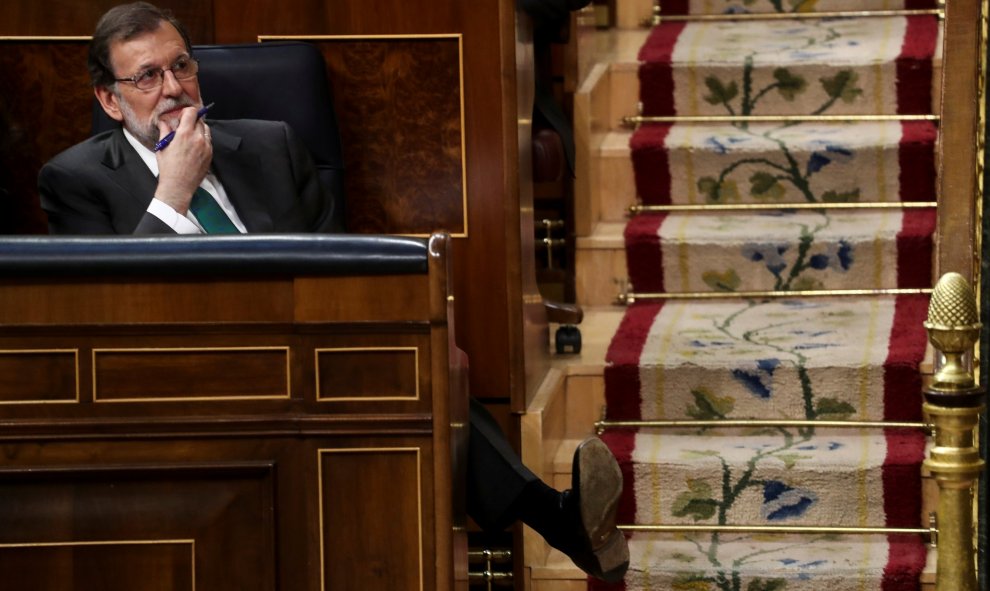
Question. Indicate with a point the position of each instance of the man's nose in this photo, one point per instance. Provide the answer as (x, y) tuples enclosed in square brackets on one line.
[(170, 84)]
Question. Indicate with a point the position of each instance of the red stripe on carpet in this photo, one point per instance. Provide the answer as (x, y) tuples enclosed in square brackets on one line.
[(914, 249), (906, 349), (644, 258), (914, 66), (916, 155), (622, 442), (902, 477), (656, 75), (651, 163), (622, 388), (905, 563)]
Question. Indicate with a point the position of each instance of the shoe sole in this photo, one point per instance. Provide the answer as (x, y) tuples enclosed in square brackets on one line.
[(601, 488)]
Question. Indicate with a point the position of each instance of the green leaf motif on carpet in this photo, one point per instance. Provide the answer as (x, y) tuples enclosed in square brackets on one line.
[(765, 186), (844, 197), (789, 85), (696, 502), (766, 585), (832, 409), (692, 582), (842, 86), (720, 93), (791, 460), (708, 406), (726, 281), (718, 191)]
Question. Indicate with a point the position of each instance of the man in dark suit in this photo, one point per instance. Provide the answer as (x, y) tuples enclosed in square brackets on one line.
[(257, 173), (255, 176)]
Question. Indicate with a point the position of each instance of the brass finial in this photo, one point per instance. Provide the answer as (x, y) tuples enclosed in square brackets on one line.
[(953, 327)]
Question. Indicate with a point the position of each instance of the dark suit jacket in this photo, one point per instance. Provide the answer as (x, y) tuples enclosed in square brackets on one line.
[(101, 186)]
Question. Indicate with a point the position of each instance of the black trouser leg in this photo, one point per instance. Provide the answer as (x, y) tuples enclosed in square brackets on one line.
[(496, 475)]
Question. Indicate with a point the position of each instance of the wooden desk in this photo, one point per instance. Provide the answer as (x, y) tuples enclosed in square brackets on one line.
[(230, 430)]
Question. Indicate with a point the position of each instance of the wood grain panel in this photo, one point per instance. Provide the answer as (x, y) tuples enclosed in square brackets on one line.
[(137, 301), (225, 509), (71, 17), (354, 299), (39, 376), (398, 103), (390, 552), (45, 106), (135, 375), (110, 566), (367, 374)]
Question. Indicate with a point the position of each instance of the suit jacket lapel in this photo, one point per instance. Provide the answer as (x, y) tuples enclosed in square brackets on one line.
[(242, 178), (129, 172)]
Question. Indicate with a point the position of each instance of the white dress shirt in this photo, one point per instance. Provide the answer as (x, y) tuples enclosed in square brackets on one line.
[(184, 224)]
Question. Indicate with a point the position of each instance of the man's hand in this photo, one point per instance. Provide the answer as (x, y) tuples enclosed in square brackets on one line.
[(185, 162)]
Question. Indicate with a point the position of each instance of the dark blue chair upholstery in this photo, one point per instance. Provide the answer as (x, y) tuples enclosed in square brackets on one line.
[(273, 81)]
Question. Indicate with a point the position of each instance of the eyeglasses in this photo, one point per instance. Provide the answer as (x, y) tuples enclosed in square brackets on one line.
[(183, 68)]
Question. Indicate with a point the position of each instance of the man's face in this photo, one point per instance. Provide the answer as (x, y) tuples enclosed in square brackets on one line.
[(141, 110)]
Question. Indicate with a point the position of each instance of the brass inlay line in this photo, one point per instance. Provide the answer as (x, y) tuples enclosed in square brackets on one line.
[(419, 499), (636, 209), (75, 354), (288, 374), (776, 529), (630, 297), (602, 425), (776, 16), (633, 120), (460, 77), (320, 398)]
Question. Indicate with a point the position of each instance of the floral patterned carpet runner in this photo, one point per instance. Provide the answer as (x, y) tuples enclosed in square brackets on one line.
[(811, 358)]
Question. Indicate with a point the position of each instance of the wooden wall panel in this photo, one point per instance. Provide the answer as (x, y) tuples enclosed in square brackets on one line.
[(72, 17), (46, 103), (175, 523), (398, 104)]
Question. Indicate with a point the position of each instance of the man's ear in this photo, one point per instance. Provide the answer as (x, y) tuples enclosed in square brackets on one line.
[(109, 101)]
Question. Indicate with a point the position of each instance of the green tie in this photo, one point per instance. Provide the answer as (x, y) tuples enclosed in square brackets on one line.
[(210, 215)]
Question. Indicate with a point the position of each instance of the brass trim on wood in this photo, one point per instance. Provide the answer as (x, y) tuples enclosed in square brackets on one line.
[(460, 75), (419, 498), (320, 398), (75, 354), (288, 374)]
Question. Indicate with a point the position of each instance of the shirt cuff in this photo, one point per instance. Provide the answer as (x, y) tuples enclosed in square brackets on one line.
[(171, 218)]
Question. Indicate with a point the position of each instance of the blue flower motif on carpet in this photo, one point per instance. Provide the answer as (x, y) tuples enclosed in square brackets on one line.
[(759, 382), (781, 502)]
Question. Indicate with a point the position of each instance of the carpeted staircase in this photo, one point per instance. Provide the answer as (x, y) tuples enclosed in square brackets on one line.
[(738, 224)]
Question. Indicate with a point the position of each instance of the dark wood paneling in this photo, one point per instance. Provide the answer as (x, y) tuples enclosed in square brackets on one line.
[(158, 566), (216, 508), (72, 17), (46, 99), (208, 374), (390, 553), (367, 374), (38, 376), (398, 104)]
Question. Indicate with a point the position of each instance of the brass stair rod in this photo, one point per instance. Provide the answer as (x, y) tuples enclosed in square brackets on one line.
[(600, 426), (639, 208), (776, 529), (633, 120), (954, 402), (627, 298), (751, 16)]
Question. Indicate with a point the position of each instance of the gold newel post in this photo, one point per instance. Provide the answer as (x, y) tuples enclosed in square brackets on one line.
[(953, 403)]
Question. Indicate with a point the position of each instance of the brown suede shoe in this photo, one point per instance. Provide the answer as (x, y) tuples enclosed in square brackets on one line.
[(596, 484)]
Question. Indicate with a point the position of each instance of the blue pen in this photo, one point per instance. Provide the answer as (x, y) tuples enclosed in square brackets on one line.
[(165, 141)]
